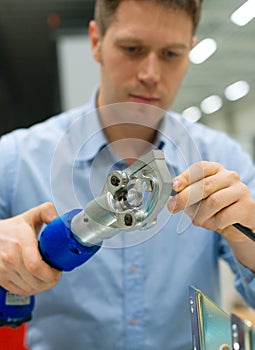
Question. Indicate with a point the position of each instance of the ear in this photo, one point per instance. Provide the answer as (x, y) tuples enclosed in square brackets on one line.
[(193, 42), (95, 40)]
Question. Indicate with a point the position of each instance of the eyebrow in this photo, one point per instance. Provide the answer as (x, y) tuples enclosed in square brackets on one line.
[(136, 41)]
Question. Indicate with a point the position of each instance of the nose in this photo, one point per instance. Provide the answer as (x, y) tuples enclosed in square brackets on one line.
[(149, 70)]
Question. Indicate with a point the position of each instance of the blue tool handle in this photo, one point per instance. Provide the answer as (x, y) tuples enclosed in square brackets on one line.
[(58, 245), (59, 249)]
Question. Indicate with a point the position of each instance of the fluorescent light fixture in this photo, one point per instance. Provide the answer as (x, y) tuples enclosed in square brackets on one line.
[(211, 104), (244, 14), (192, 113), (202, 51), (237, 90)]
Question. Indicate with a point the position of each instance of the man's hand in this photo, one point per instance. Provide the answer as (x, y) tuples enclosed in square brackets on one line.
[(22, 270), (215, 198)]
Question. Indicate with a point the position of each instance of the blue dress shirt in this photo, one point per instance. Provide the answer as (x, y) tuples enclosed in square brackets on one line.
[(133, 294)]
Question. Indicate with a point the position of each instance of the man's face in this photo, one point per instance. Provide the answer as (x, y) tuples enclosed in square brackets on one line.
[(143, 54)]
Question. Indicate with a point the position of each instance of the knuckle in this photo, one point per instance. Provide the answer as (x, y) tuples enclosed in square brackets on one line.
[(214, 201), (203, 164), (186, 177), (196, 217), (234, 175), (54, 283), (219, 165), (207, 187), (196, 221), (8, 257), (32, 267), (197, 169), (244, 189), (10, 251), (219, 220), (42, 286), (3, 269)]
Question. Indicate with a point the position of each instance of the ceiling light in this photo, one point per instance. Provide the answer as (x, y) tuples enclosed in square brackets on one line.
[(211, 104), (244, 14), (192, 113), (237, 90), (202, 51)]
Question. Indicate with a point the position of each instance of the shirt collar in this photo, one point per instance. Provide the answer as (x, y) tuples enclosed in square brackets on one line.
[(179, 146), (96, 139), (167, 142)]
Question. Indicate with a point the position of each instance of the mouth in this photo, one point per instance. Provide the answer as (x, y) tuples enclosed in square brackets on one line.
[(145, 99)]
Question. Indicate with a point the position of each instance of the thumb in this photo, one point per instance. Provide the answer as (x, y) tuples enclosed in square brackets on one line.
[(42, 214)]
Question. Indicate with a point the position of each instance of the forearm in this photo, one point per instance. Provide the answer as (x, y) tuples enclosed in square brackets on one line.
[(243, 247)]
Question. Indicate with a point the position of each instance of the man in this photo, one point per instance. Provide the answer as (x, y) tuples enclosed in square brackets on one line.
[(134, 296)]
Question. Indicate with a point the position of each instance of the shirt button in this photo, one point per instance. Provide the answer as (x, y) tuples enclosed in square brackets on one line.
[(133, 269), (133, 321)]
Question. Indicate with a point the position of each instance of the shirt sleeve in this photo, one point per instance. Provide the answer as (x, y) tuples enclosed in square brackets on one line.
[(245, 283), (234, 158), (8, 167), (244, 277)]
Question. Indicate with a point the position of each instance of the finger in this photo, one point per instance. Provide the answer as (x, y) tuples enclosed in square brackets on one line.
[(210, 208), (16, 272), (13, 288), (18, 285), (37, 267), (30, 284), (39, 215), (221, 220), (203, 189), (230, 215), (33, 261), (194, 173), (192, 210)]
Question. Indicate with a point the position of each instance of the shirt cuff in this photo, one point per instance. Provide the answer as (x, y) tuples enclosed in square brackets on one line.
[(247, 276)]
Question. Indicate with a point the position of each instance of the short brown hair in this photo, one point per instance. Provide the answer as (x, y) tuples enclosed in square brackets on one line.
[(105, 10)]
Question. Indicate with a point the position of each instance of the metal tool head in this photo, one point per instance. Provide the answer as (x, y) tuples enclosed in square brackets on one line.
[(131, 199), (139, 193)]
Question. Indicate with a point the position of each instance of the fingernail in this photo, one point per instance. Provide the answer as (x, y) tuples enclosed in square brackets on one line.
[(176, 184), (172, 206), (51, 214)]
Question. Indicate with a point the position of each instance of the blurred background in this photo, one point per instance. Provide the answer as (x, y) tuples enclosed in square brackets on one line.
[(46, 67)]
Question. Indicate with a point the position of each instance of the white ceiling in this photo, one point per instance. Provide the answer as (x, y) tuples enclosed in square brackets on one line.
[(233, 60)]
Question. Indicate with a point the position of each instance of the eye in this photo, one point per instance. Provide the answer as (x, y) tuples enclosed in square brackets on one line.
[(133, 50), (169, 54)]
